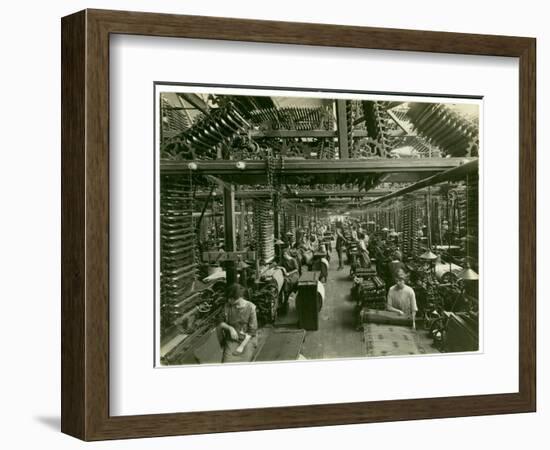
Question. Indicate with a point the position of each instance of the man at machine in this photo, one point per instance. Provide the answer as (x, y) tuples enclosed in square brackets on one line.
[(401, 298), (292, 272)]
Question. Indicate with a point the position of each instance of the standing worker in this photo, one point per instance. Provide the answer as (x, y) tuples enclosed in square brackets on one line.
[(401, 298), (340, 245), (364, 259), (394, 266)]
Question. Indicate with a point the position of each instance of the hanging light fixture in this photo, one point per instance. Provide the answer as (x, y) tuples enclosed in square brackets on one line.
[(468, 274), (241, 265), (428, 256)]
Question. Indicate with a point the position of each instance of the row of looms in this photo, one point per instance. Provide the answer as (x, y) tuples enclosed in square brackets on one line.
[(244, 178)]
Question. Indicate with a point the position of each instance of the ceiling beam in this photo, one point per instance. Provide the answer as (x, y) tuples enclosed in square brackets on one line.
[(308, 172), (293, 134), (285, 134), (453, 174), (313, 193), (313, 166)]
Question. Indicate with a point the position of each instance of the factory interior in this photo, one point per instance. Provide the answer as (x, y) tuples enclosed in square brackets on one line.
[(316, 208)]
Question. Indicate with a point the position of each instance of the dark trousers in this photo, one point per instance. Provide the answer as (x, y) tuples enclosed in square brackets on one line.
[(340, 252)]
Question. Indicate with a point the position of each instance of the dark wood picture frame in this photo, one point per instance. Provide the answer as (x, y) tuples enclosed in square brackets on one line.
[(85, 224)]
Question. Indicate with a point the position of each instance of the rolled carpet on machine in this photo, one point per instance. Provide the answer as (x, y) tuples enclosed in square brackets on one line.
[(324, 270), (382, 317)]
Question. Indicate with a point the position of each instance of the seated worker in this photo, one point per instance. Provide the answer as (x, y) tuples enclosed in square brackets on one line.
[(364, 258), (289, 262), (297, 256), (401, 298), (237, 331), (353, 233), (398, 254), (292, 276), (304, 243), (314, 242), (395, 264), (299, 237)]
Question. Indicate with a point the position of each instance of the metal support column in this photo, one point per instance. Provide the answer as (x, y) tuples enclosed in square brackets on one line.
[(242, 224), (276, 216), (315, 218), (342, 122), (429, 217), (229, 230)]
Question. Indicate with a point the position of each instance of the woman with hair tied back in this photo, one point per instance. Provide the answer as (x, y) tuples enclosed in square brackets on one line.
[(237, 330)]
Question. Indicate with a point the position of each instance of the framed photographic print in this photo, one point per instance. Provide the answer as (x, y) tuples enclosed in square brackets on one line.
[(252, 210)]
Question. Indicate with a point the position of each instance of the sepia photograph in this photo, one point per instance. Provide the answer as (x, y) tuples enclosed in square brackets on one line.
[(296, 225), (285, 204)]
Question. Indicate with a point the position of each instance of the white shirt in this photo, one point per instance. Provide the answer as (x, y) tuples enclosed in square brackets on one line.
[(403, 299)]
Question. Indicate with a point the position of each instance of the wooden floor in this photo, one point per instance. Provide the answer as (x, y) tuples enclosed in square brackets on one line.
[(336, 337)]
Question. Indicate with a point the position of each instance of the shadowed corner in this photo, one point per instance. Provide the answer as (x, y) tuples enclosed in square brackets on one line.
[(52, 422)]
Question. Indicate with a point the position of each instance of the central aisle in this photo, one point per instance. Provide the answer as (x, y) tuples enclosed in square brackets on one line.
[(336, 337)]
